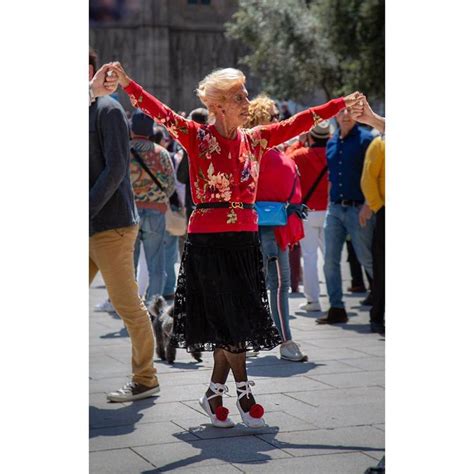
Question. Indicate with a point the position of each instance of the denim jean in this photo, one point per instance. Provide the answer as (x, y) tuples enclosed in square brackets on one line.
[(171, 258), (152, 234), (277, 273), (341, 221)]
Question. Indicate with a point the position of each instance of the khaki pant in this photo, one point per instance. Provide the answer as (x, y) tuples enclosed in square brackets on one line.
[(111, 253)]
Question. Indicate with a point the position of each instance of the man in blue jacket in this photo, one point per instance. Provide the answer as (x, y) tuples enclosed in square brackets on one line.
[(113, 228)]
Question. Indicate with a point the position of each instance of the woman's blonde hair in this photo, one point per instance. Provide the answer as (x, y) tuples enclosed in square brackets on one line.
[(260, 111), (213, 89)]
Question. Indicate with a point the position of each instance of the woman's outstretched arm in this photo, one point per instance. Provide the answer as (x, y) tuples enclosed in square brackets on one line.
[(180, 128), (302, 122)]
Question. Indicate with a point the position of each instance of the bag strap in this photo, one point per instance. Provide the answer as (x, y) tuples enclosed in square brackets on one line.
[(145, 167), (315, 185)]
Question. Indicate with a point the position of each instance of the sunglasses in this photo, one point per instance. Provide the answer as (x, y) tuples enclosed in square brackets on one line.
[(275, 116)]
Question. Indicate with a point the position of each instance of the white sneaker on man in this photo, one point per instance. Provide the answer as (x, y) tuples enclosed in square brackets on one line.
[(105, 307), (289, 350), (311, 306)]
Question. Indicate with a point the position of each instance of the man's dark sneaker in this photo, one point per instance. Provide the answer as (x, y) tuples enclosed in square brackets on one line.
[(334, 316), (378, 328), (132, 391), (369, 301), (356, 289)]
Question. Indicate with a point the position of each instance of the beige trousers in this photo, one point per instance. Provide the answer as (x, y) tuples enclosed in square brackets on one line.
[(111, 253)]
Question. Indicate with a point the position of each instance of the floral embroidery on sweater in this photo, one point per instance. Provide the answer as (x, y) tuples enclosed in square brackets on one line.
[(316, 118), (207, 144), (216, 185), (232, 217)]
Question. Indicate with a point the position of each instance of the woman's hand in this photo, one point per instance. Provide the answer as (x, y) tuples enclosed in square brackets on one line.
[(369, 117), (354, 100), (119, 72)]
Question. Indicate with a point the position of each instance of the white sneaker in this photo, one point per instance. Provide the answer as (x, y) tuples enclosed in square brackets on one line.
[(251, 354), (311, 306), (289, 350), (105, 307)]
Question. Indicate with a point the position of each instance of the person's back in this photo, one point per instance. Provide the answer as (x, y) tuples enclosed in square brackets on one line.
[(158, 160), (153, 182), (312, 164), (113, 219), (111, 203), (311, 161)]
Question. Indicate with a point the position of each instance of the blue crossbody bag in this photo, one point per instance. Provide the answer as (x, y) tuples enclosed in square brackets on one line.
[(272, 213)]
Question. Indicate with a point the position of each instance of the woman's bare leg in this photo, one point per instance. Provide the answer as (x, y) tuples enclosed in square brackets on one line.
[(220, 372), (237, 362)]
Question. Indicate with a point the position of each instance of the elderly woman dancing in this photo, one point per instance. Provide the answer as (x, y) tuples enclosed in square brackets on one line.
[(221, 301)]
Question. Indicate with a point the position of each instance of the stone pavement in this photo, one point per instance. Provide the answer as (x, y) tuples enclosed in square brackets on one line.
[(324, 416)]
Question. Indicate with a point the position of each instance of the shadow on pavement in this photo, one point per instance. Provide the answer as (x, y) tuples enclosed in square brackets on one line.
[(116, 421), (192, 364), (319, 314), (113, 335), (257, 369), (298, 294), (221, 449)]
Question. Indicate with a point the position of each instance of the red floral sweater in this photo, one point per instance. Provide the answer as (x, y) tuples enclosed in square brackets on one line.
[(222, 169)]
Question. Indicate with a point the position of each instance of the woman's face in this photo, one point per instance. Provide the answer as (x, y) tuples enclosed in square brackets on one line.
[(235, 109)]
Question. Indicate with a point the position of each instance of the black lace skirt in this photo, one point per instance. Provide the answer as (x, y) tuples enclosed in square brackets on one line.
[(221, 297)]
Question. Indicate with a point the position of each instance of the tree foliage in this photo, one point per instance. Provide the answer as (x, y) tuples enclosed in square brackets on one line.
[(297, 47)]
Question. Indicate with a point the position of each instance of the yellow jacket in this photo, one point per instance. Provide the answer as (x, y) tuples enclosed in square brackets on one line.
[(373, 175)]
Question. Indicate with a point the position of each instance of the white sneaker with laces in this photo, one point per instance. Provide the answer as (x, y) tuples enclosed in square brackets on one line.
[(311, 306), (289, 350), (105, 307)]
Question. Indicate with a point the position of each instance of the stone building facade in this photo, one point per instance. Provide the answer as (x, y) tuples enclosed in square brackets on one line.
[(168, 46)]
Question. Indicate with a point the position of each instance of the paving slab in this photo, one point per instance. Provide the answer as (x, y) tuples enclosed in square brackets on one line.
[(366, 363), (116, 461), (131, 436), (200, 453), (277, 421), (325, 441), (142, 411), (355, 379), (346, 463)]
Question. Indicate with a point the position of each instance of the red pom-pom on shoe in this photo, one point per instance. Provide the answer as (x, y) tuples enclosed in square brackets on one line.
[(222, 413), (256, 411)]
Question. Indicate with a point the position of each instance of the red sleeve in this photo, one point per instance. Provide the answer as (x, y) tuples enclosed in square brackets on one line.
[(180, 128), (280, 132)]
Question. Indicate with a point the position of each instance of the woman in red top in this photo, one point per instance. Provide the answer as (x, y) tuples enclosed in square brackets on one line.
[(278, 182), (220, 301), (312, 163)]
